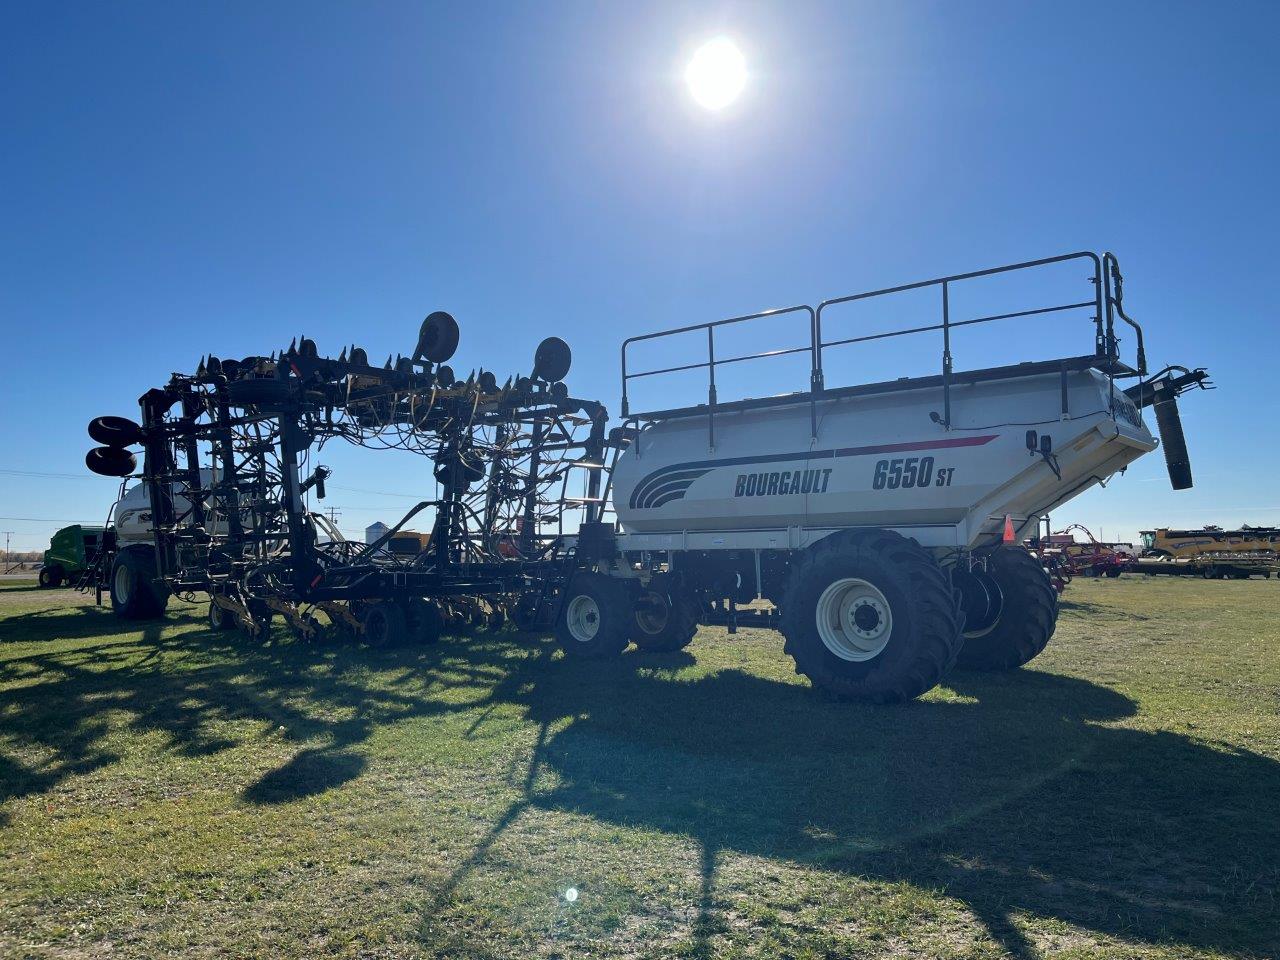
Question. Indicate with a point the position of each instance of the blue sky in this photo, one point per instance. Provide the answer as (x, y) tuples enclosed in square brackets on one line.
[(180, 178)]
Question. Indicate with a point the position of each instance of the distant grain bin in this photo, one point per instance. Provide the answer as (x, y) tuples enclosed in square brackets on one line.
[(375, 531)]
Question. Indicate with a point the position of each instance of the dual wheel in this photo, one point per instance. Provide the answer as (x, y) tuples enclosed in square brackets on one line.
[(870, 615)]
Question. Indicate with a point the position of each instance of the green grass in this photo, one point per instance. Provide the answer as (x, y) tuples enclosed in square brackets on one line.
[(168, 791)]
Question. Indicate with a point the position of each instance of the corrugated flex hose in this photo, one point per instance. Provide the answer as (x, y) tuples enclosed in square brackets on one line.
[(1172, 439)]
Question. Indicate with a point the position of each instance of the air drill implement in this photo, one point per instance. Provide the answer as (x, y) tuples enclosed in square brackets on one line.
[(867, 522)]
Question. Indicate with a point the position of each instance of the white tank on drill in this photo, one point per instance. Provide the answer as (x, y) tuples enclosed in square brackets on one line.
[(879, 460)]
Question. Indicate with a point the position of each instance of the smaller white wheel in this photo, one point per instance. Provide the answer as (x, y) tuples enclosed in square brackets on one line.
[(594, 617), (854, 619), (582, 618)]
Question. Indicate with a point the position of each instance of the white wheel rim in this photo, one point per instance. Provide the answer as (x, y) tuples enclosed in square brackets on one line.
[(854, 620), (124, 580), (583, 618)]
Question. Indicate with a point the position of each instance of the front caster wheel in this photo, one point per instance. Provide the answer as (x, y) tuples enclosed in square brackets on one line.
[(595, 616)]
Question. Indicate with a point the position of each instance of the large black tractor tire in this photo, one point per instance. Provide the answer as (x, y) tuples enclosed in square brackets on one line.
[(595, 617), (51, 576), (1025, 619), (869, 615), (136, 594), (385, 624), (663, 620)]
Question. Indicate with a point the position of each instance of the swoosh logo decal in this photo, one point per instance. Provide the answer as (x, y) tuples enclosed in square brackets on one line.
[(672, 482)]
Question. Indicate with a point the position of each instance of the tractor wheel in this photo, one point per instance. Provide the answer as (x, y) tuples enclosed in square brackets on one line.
[(135, 592), (871, 616), (384, 624), (663, 620), (1113, 572), (220, 618), (1024, 622), (51, 577), (595, 617)]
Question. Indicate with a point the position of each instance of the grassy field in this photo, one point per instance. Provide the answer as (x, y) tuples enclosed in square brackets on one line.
[(168, 791)]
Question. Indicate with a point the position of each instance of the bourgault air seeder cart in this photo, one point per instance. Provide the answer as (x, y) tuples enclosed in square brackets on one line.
[(868, 523)]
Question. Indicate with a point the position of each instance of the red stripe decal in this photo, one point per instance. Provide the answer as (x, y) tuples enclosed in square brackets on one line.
[(917, 445)]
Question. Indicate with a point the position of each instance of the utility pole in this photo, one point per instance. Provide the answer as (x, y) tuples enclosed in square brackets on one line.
[(334, 513), (8, 556)]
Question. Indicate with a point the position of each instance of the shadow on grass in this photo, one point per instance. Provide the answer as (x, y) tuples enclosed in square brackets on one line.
[(1013, 798), (1020, 794), (309, 772), (178, 678)]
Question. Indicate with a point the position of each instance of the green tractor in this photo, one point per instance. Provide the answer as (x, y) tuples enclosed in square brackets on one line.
[(72, 551)]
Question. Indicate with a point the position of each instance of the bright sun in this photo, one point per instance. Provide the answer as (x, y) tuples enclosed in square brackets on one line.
[(716, 74)]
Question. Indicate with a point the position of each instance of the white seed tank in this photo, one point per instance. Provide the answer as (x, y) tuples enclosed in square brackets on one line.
[(879, 459)]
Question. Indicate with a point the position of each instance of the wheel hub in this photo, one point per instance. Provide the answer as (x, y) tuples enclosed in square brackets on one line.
[(854, 619), (583, 618)]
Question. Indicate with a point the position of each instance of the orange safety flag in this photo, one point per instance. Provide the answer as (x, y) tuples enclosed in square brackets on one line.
[(1008, 529)]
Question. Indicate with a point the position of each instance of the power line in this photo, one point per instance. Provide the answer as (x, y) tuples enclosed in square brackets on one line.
[(36, 473), (376, 493), (48, 520)]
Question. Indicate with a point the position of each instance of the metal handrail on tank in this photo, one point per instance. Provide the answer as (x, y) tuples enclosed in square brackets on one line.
[(1106, 302), (711, 362), (1104, 342), (1113, 283)]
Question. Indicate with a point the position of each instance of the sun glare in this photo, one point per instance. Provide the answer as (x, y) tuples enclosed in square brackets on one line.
[(716, 74)]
